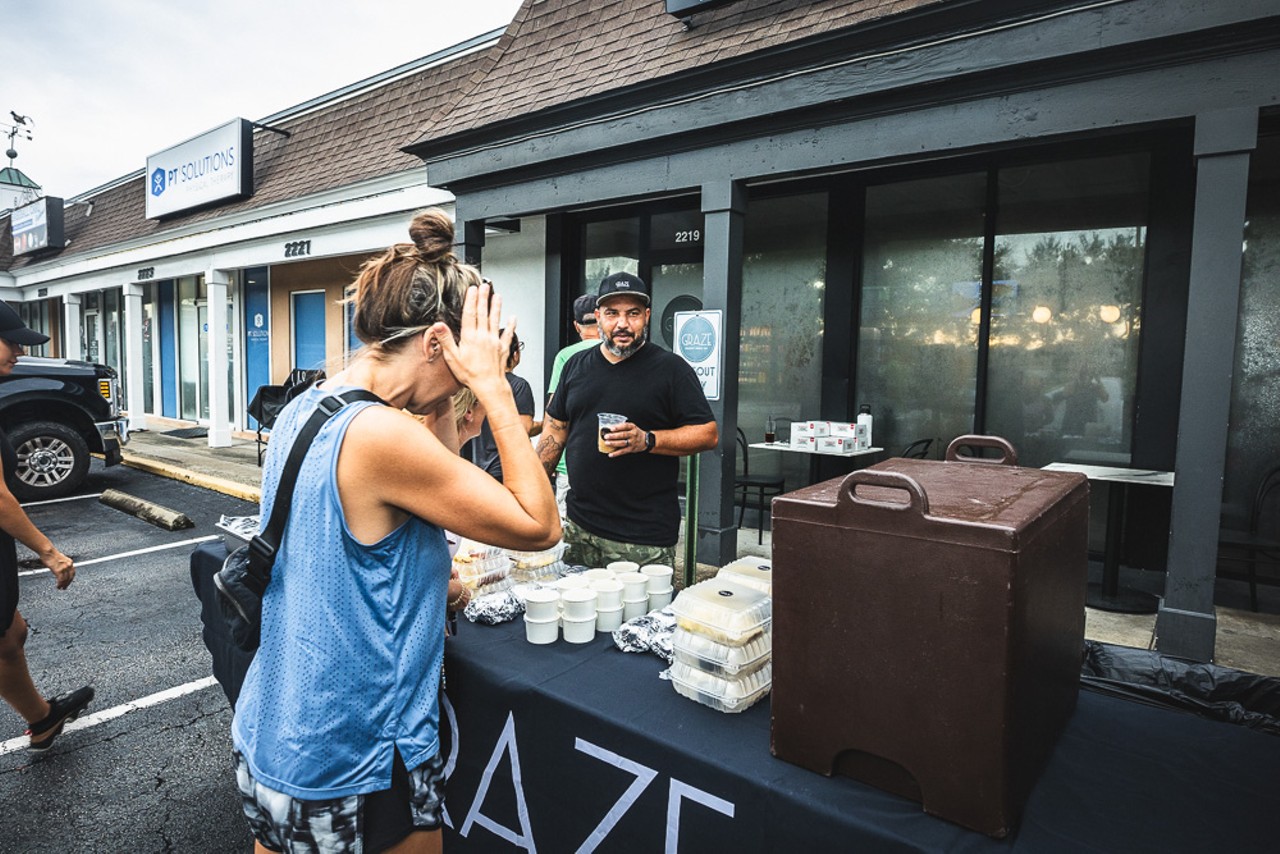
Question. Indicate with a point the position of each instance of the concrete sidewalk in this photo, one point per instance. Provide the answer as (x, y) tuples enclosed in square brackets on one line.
[(1245, 640)]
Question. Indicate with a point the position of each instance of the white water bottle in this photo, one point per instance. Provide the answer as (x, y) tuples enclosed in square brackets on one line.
[(864, 427)]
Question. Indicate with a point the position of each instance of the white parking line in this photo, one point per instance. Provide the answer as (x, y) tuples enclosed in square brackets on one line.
[(133, 553), (60, 500), (105, 715)]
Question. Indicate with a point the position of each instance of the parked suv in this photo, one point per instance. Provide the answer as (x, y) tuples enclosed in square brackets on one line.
[(56, 412)]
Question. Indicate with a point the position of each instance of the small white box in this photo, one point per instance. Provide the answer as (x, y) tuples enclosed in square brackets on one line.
[(804, 443), (811, 428), (860, 436), (836, 445), (843, 429)]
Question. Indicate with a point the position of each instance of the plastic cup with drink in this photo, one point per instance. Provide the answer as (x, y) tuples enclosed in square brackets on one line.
[(608, 421)]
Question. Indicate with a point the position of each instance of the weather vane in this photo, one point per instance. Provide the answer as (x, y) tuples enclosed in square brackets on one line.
[(21, 128)]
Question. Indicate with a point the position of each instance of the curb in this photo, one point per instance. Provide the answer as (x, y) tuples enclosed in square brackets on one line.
[(217, 484)]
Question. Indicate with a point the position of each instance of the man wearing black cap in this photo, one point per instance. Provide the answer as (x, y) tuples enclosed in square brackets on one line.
[(584, 322), (45, 718), (622, 505)]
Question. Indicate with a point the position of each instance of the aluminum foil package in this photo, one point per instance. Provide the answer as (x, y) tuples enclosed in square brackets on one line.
[(650, 632), (494, 609)]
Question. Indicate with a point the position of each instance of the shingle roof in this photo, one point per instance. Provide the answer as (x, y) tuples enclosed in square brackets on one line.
[(353, 140), (558, 51)]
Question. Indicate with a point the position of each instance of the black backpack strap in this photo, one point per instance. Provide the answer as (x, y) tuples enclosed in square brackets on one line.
[(263, 547)]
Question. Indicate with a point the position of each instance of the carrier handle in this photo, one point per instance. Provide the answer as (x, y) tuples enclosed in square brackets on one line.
[(917, 505), (1009, 456)]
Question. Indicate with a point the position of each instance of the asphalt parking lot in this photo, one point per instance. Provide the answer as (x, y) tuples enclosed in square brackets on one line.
[(147, 767)]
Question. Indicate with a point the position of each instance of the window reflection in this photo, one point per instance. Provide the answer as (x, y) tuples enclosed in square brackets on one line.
[(921, 283), (1065, 327)]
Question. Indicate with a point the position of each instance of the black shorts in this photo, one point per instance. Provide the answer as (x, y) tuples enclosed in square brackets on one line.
[(8, 597), (377, 820)]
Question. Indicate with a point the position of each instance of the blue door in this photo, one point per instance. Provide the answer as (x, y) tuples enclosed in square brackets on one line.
[(308, 329)]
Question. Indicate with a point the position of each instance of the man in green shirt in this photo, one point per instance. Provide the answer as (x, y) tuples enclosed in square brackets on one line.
[(584, 321)]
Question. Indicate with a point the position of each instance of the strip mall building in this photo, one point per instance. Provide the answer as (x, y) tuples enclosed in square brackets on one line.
[(1058, 222)]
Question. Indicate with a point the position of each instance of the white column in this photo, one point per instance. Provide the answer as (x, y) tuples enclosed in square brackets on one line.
[(216, 282), (71, 327), (134, 381)]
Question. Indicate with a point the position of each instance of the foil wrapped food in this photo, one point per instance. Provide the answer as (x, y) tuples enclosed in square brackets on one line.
[(650, 632), (494, 609)]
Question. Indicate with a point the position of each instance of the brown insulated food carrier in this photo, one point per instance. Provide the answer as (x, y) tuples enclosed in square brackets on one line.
[(928, 628)]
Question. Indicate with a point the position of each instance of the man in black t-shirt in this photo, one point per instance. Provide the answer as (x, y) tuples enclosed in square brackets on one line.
[(623, 505)]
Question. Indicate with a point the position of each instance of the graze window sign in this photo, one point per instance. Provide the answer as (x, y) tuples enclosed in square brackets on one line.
[(37, 226), (700, 343), (212, 167)]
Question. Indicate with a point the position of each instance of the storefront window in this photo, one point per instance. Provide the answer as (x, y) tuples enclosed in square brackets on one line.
[(609, 247), (1066, 309), (921, 283), (783, 286), (1253, 442)]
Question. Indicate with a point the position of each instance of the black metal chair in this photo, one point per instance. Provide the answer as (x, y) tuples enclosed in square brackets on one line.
[(1261, 543), (268, 400), (763, 485), (917, 450)]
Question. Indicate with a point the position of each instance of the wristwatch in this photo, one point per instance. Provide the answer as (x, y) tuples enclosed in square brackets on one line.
[(649, 441)]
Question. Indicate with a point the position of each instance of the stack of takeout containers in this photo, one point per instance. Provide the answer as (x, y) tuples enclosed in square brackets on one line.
[(540, 566), (722, 644), (484, 569)]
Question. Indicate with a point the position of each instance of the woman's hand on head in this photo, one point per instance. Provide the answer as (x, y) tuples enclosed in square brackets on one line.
[(479, 354)]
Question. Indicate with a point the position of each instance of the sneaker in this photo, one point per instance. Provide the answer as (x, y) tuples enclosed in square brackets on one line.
[(63, 708)]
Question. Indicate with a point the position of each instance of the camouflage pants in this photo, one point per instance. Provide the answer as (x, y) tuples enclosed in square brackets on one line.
[(590, 550)]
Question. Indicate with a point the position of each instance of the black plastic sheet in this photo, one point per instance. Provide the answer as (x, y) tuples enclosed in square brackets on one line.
[(1208, 690)]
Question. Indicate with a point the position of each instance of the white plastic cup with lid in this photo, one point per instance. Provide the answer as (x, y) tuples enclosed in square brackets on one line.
[(631, 610), (635, 586), (541, 631), (579, 630), (598, 574), (659, 576), (660, 598), (542, 603), (620, 566), (579, 603), (608, 619), (608, 593)]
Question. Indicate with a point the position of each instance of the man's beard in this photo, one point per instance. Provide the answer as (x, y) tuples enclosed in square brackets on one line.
[(629, 350)]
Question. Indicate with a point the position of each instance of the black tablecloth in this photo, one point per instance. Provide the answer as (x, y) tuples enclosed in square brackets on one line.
[(568, 748), (587, 734)]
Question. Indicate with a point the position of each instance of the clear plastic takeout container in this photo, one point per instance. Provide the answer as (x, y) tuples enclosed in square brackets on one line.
[(723, 610), (533, 560), (732, 694), (755, 572), (721, 659), (483, 572)]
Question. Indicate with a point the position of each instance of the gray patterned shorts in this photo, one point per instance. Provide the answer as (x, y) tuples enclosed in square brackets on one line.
[(356, 823)]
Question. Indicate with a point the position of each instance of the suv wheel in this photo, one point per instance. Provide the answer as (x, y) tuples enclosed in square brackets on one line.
[(53, 460)]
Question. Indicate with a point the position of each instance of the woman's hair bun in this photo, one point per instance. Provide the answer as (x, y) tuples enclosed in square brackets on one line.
[(432, 233)]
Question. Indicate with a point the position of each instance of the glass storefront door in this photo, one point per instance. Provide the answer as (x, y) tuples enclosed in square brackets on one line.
[(193, 348)]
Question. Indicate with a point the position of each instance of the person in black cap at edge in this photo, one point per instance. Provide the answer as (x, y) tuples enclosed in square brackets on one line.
[(623, 505), (584, 323), (45, 718)]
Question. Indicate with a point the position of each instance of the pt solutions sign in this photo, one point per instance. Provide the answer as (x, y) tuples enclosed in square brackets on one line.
[(212, 167), (699, 342)]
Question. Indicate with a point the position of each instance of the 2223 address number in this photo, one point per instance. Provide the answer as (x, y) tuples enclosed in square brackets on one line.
[(297, 248)]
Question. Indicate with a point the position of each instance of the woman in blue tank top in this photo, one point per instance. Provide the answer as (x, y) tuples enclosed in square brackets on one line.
[(336, 728)]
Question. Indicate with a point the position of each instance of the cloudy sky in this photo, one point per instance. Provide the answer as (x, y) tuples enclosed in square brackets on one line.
[(108, 82)]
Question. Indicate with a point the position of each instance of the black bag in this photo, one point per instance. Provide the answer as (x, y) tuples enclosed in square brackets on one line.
[(246, 572)]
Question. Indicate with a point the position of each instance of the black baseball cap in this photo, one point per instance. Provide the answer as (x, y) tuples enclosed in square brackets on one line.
[(12, 328), (622, 283), (584, 309)]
